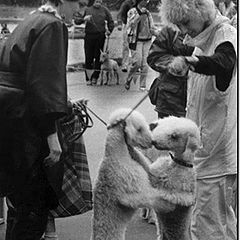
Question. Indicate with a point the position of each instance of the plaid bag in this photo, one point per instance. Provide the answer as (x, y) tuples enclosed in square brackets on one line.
[(76, 195)]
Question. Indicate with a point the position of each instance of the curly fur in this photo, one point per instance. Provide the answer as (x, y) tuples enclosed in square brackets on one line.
[(180, 11), (122, 184), (181, 137)]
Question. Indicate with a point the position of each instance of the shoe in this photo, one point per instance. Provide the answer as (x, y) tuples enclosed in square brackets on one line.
[(143, 89), (127, 85), (94, 81), (50, 236), (124, 69), (89, 83)]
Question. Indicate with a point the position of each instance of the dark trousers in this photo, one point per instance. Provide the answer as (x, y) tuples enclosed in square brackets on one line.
[(28, 210), (92, 45), (30, 195)]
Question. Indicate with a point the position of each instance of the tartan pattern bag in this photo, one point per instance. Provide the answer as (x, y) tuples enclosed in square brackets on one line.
[(76, 195)]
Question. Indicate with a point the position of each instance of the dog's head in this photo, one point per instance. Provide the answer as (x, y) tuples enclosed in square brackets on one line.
[(104, 56), (180, 135), (136, 128)]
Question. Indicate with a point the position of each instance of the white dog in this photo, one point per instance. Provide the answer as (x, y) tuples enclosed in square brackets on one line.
[(174, 175), (122, 185)]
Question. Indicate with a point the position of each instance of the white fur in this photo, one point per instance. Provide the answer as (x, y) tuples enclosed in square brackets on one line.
[(110, 67), (122, 184), (181, 137)]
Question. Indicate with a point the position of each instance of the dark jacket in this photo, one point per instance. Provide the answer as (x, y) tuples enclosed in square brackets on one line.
[(36, 55), (97, 23), (172, 90), (122, 13)]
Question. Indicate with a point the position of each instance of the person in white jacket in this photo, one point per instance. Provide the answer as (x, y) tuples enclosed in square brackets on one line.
[(140, 29), (212, 104)]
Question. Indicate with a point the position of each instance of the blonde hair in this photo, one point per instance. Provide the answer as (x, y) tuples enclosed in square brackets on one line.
[(181, 11)]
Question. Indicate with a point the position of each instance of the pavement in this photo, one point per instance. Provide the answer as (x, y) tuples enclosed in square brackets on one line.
[(103, 100)]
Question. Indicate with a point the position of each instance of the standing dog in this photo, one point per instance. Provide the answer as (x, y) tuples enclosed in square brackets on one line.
[(110, 67)]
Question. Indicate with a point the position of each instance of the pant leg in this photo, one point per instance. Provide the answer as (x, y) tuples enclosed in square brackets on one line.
[(135, 62), (125, 48), (144, 65), (89, 56), (23, 225), (28, 209), (99, 44), (213, 217)]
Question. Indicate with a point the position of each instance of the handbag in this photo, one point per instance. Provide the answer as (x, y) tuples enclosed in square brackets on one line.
[(153, 91), (76, 194)]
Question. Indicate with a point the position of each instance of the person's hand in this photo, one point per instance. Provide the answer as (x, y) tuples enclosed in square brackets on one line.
[(54, 149), (87, 18), (178, 66), (80, 102), (192, 61), (155, 31), (144, 10)]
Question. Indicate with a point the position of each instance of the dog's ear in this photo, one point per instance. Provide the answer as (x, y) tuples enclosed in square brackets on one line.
[(153, 125)]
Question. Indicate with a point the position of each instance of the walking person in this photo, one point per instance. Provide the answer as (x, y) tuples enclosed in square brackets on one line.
[(122, 25), (33, 96), (99, 24), (140, 29), (212, 101)]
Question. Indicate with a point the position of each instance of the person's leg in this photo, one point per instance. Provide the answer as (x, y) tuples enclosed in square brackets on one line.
[(99, 44), (213, 217), (135, 64), (28, 208), (25, 223), (144, 65), (89, 58), (125, 50)]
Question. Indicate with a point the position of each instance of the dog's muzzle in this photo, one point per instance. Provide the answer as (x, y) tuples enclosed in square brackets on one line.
[(156, 145)]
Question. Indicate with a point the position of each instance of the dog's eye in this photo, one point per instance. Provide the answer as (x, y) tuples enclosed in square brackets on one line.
[(139, 129), (174, 136)]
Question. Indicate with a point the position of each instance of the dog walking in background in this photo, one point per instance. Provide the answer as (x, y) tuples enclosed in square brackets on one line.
[(110, 67)]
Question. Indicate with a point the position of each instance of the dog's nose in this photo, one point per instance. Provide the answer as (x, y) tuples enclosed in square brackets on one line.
[(154, 143)]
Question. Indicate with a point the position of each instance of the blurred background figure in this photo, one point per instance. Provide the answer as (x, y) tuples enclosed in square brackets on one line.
[(140, 29), (122, 25)]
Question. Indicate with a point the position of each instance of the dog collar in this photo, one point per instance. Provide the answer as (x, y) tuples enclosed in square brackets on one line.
[(180, 162)]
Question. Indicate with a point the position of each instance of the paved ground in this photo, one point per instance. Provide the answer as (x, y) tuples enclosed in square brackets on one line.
[(103, 100)]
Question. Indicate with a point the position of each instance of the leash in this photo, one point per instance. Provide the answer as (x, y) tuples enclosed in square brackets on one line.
[(122, 121), (94, 114)]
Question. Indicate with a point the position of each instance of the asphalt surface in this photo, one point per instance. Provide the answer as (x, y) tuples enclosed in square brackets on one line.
[(103, 100)]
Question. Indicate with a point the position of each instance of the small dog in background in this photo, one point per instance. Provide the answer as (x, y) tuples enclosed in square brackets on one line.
[(110, 67)]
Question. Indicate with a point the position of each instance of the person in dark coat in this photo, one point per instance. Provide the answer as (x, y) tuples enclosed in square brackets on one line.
[(172, 90), (99, 23), (33, 96)]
